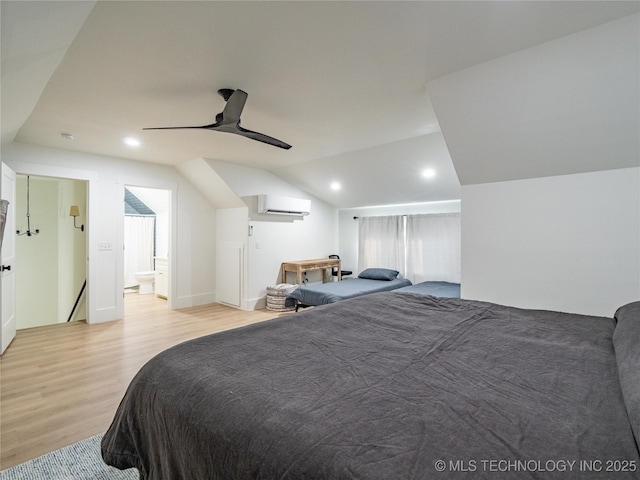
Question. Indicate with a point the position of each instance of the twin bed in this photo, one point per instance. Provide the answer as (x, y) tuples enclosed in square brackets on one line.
[(371, 280), (391, 385)]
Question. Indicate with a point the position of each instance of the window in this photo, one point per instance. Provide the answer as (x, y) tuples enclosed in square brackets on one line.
[(381, 243), (433, 248), (422, 247)]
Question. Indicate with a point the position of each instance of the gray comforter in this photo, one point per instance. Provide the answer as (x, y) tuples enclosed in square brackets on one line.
[(437, 289), (388, 386), (314, 294)]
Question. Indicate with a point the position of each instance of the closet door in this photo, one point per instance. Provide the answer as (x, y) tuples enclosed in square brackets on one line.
[(7, 274), (229, 273)]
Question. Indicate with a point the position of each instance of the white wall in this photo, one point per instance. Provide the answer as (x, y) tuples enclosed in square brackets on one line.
[(569, 243), (277, 239), (348, 227), (72, 250), (192, 267), (36, 266)]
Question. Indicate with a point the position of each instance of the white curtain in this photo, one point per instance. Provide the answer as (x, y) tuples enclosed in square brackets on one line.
[(381, 243), (433, 247), (138, 247)]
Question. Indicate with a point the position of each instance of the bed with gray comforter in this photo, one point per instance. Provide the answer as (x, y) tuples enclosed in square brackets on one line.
[(437, 289), (391, 386), (314, 294)]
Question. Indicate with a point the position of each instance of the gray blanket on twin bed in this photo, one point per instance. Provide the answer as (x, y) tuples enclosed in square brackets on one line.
[(314, 294), (437, 289), (388, 386)]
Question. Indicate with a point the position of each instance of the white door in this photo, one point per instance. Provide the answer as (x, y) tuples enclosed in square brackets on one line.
[(229, 273), (8, 277)]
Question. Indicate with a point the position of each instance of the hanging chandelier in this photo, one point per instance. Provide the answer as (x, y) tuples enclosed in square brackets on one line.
[(28, 233)]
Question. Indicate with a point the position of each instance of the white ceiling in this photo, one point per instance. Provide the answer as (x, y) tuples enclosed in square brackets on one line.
[(343, 82)]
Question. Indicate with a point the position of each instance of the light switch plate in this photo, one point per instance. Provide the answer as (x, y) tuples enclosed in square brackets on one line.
[(105, 246)]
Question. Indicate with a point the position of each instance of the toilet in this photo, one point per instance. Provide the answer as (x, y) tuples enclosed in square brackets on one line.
[(145, 280)]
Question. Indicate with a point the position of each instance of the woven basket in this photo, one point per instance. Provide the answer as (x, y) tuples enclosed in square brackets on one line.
[(276, 296)]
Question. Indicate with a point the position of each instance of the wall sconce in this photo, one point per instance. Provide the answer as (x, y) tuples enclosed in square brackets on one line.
[(74, 212)]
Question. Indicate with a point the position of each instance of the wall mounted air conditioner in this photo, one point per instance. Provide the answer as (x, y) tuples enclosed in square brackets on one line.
[(283, 205)]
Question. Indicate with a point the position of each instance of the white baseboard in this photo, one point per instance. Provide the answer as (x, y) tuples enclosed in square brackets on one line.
[(194, 300), (102, 315), (259, 303)]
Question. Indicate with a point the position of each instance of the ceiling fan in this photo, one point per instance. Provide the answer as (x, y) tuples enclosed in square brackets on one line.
[(229, 119)]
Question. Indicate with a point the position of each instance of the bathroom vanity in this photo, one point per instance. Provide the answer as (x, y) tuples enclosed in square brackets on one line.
[(162, 277)]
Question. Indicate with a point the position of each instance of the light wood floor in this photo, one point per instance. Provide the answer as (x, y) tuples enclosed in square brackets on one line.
[(62, 383)]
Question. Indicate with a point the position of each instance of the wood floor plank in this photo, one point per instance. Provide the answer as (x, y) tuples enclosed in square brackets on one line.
[(62, 383)]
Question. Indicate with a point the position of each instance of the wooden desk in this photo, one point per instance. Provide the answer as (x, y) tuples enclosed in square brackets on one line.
[(308, 265)]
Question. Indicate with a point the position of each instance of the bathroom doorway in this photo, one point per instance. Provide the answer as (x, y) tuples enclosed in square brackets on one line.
[(146, 244)]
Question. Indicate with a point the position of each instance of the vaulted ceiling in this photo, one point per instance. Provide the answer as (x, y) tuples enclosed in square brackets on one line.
[(349, 84)]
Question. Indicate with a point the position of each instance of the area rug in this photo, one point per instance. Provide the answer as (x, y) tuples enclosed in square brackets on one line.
[(79, 461)]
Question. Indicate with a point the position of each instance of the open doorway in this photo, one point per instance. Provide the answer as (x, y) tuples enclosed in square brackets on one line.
[(51, 250), (146, 244)]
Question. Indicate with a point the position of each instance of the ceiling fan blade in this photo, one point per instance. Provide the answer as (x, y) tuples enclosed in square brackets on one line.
[(229, 120), (209, 127), (261, 137), (233, 108)]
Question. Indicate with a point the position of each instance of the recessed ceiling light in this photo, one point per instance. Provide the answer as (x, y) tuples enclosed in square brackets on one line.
[(335, 186), (132, 142), (429, 173), (66, 136)]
